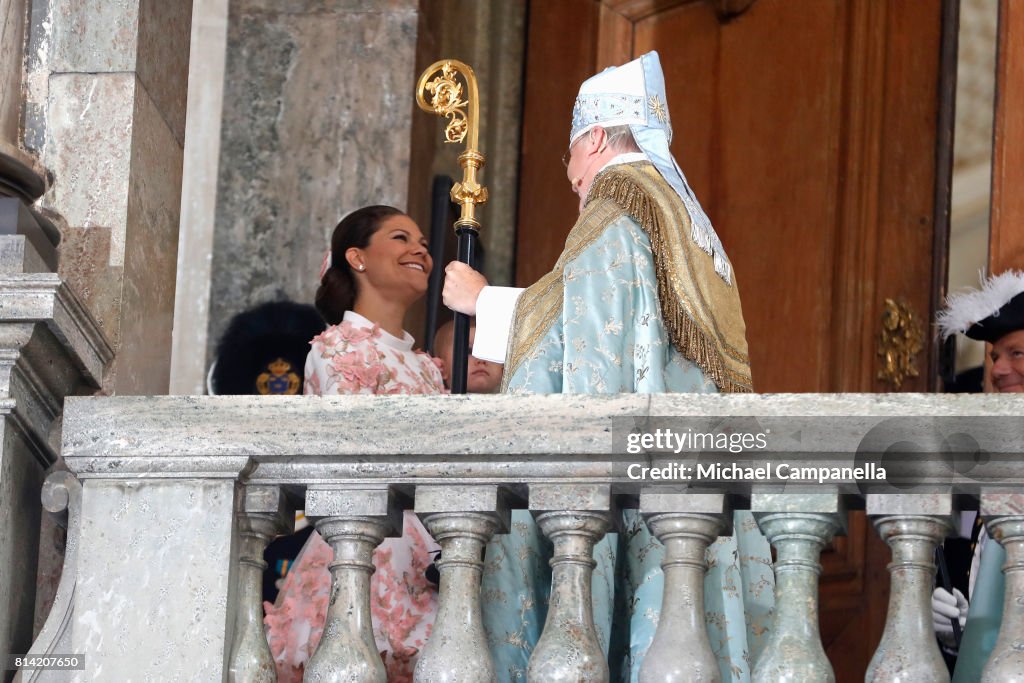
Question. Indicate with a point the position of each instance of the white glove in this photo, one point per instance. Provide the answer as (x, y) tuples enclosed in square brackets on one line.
[(945, 608)]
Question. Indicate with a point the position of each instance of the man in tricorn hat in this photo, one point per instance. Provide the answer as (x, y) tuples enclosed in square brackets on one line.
[(993, 314), (643, 299)]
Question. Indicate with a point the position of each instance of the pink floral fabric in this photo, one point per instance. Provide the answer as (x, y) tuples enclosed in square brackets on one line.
[(357, 357)]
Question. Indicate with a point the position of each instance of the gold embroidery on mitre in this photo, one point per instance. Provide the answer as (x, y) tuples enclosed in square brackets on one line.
[(657, 108)]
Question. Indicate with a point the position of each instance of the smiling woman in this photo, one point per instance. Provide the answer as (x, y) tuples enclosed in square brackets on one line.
[(390, 271), (377, 267)]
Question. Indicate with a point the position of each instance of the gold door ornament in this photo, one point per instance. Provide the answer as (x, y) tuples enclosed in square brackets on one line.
[(900, 341)]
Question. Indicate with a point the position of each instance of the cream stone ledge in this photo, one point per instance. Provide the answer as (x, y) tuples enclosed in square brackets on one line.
[(479, 439), (43, 297)]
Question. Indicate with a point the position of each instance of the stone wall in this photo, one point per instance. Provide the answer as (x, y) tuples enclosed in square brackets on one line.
[(105, 113), (316, 123)]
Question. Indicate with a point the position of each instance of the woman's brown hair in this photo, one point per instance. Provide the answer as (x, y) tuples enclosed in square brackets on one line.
[(337, 291)]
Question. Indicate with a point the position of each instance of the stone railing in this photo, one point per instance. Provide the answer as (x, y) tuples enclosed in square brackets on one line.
[(179, 497), (50, 347)]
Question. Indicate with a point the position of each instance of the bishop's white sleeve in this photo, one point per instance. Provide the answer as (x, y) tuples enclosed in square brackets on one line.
[(494, 310)]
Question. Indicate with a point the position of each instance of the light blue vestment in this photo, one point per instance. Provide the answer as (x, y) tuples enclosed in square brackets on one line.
[(611, 339), (984, 615)]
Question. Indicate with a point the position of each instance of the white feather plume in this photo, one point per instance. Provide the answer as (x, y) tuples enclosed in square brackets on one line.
[(964, 309)]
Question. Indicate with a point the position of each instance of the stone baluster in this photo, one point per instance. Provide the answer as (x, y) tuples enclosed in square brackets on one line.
[(798, 525), (575, 518), (353, 522), (912, 525), (462, 520), (686, 524), (1004, 516), (265, 513)]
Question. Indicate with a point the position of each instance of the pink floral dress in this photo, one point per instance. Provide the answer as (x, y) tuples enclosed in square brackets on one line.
[(357, 357)]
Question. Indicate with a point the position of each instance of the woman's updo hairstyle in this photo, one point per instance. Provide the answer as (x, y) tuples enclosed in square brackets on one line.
[(337, 291)]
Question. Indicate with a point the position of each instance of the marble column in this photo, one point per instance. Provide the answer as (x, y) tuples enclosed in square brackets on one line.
[(208, 56), (105, 93), (686, 524), (462, 520), (265, 513), (21, 174), (575, 518), (353, 522), (13, 14), (29, 239), (798, 525), (1004, 517), (912, 525)]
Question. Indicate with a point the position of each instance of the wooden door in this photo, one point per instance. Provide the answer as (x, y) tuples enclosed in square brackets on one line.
[(1006, 238), (810, 131)]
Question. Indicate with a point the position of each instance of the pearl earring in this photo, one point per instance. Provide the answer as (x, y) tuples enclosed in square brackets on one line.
[(361, 267)]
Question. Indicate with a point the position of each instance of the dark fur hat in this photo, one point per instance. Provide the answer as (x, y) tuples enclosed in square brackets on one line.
[(263, 350)]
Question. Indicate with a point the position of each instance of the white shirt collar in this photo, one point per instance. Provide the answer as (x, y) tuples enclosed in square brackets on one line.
[(403, 344), (625, 158)]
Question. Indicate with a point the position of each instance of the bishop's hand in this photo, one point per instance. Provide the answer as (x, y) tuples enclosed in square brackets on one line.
[(462, 286)]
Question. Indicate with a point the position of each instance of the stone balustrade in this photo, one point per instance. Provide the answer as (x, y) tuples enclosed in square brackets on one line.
[(179, 496), (50, 347)]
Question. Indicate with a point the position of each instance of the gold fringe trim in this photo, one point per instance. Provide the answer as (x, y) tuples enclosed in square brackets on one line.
[(686, 335)]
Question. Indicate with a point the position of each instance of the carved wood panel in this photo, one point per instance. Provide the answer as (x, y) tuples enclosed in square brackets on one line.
[(1006, 242)]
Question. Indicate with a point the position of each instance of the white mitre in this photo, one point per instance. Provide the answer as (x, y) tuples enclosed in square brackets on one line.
[(634, 95)]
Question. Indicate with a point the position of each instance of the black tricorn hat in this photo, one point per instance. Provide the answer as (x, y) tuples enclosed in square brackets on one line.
[(988, 314), (263, 350)]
